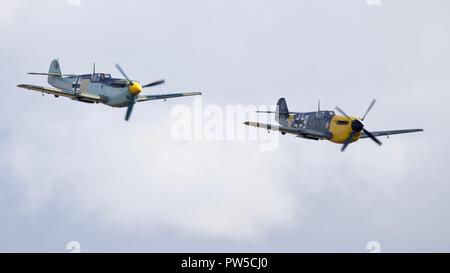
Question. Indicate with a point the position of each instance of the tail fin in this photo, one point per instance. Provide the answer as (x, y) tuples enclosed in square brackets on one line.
[(53, 70), (282, 111)]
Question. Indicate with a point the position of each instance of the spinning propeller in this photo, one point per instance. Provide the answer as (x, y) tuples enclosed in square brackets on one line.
[(134, 88), (358, 126)]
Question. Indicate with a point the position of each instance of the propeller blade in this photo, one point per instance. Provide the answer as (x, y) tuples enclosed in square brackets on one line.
[(370, 107), (130, 109), (342, 112), (348, 140), (369, 134), (122, 72), (154, 83)]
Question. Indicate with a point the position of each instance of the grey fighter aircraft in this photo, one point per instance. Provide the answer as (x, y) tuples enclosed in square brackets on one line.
[(99, 88), (341, 129)]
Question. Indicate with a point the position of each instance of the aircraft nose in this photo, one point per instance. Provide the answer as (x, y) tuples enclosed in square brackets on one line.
[(135, 88), (357, 125)]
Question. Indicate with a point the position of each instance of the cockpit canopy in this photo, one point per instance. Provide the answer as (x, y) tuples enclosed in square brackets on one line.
[(323, 114), (98, 77)]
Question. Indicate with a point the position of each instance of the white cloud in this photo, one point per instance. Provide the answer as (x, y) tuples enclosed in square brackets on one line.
[(134, 177), (9, 11)]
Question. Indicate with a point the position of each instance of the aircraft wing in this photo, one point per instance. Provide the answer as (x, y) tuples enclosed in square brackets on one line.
[(166, 96), (56, 92), (392, 132), (308, 133)]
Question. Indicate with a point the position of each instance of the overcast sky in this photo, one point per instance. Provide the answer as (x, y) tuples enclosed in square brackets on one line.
[(77, 172)]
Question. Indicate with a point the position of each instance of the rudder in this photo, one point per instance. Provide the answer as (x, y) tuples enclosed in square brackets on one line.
[(282, 111), (54, 69)]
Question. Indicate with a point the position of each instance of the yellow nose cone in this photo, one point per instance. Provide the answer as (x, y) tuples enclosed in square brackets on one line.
[(135, 88)]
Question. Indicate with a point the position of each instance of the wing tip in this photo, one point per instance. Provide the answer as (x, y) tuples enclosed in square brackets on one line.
[(26, 86), (192, 94)]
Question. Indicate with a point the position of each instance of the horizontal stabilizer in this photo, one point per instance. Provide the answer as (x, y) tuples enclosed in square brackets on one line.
[(52, 74), (272, 112), (45, 74), (267, 112)]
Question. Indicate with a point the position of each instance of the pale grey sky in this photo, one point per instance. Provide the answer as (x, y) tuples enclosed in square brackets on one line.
[(72, 171)]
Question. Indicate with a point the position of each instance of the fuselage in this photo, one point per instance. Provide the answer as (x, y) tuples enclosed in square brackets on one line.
[(338, 127), (115, 91)]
